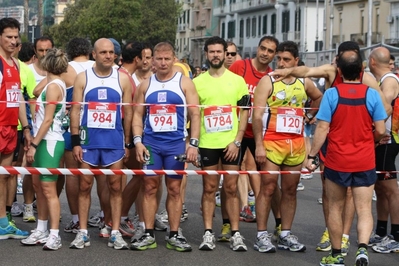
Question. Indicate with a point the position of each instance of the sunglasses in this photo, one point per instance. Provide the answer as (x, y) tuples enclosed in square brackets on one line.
[(231, 53)]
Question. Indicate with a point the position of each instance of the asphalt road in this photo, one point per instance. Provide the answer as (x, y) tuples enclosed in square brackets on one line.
[(308, 226)]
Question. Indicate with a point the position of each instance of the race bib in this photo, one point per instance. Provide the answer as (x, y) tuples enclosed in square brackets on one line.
[(13, 95), (289, 120), (218, 119), (101, 115), (163, 118)]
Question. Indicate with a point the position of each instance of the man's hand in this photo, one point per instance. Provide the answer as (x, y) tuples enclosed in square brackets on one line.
[(28, 139), (231, 151), (127, 155), (280, 74), (140, 151), (30, 154), (192, 155), (260, 155), (77, 153)]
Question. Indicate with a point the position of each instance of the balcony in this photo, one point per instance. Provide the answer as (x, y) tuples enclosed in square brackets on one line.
[(207, 4), (221, 11), (361, 39), (196, 8), (181, 28), (250, 5)]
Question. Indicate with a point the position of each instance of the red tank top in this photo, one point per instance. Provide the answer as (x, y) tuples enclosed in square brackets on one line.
[(351, 140), (338, 79), (245, 69), (10, 92)]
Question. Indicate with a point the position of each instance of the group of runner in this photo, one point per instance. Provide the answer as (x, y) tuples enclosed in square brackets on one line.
[(166, 121)]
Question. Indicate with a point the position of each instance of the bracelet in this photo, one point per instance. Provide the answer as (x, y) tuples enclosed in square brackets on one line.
[(137, 139), (33, 145), (194, 142), (75, 140)]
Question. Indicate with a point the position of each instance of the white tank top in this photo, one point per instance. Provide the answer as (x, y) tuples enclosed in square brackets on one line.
[(38, 77), (81, 66), (56, 130)]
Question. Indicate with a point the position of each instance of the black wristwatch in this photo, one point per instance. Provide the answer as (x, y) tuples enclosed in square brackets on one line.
[(129, 146), (29, 127), (316, 160), (33, 145)]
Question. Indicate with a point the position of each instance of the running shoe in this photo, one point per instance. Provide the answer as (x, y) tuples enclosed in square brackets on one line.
[(159, 225), (225, 234), (145, 242), (251, 198), (164, 216), (263, 244), (17, 209), (374, 198), (374, 239), (36, 238), (95, 220), (105, 230), (320, 200), (11, 231), (325, 244), (179, 233), (81, 240), (138, 233), (184, 214), (300, 187), (246, 215), (290, 242), (276, 233), (331, 260), (116, 241), (19, 185), (126, 227), (28, 215), (53, 243), (345, 244), (362, 257), (306, 175), (72, 227), (178, 242), (218, 199), (208, 241), (237, 242), (387, 245)]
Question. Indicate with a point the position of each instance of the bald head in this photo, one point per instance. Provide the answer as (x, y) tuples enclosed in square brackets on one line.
[(350, 65), (101, 43), (381, 55)]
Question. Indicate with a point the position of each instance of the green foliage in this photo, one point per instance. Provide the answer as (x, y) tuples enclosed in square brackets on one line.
[(141, 20)]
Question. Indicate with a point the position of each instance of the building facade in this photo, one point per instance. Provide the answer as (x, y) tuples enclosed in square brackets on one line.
[(16, 12)]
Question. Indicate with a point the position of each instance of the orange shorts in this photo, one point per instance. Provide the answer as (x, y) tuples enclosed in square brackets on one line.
[(8, 139), (290, 152)]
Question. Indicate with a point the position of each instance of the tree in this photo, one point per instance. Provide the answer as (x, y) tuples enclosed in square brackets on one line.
[(141, 20)]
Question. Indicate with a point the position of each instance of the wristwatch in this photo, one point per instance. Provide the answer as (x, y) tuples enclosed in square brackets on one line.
[(316, 160), (129, 146), (309, 116), (237, 143)]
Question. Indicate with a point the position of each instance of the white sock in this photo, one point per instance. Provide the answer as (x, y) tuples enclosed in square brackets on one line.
[(345, 236), (42, 225), (123, 218), (101, 214), (84, 231), (284, 233), (260, 233), (75, 218), (113, 232), (142, 224), (54, 232)]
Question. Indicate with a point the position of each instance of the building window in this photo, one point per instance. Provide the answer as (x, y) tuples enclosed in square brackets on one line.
[(231, 29), (241, 28), (264, 25), (298, 19), (274, 25), (254, 27), (361, 21), (223, 30), (286, 21), (377, 20), (248, 28), (259, 25)]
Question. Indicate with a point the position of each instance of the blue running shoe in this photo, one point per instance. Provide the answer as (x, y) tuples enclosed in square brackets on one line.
[(11, 231)]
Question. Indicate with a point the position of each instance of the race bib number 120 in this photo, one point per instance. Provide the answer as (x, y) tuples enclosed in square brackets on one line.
[(101, 115), (289, 120)]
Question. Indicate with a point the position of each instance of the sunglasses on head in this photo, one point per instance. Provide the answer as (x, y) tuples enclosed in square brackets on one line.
[(231, 53)]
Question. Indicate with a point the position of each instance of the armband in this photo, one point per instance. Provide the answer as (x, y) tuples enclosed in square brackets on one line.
[(75, 140), (245, 102), (136, 139)]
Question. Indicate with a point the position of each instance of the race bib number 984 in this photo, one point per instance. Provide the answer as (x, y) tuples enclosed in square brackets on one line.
[(101, 115)]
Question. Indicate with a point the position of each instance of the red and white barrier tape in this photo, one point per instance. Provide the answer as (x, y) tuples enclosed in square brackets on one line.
[(64, 171)]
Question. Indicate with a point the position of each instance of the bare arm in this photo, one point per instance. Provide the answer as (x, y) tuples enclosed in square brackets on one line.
[(137, 121), (316, 96), (78, 88), (325, 71), (372, 83), (39, 87), (261, 95), (24, 121), (379, 131), (127, 109), (319, 138)]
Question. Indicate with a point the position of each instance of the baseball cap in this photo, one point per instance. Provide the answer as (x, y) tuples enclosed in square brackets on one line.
[(117, 46)]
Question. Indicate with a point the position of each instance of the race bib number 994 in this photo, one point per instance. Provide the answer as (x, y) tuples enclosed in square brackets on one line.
[(163, 118)]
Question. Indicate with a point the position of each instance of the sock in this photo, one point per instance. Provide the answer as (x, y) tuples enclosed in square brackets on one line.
[(335, 252), (345, 236), (75, 218), (362, 245), (29, 205), (261, 233), (8, 209), (173, 233), (209, 230), (142, 224), (113, 232), (54, 232), (4, 221), (42, 225), (84, 231), (395, 231), (123, 218), (226, 221), (233, 232), (381, 228), (101, 214), (284, 233), (15, 197), (150, 231), (278, 222)]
